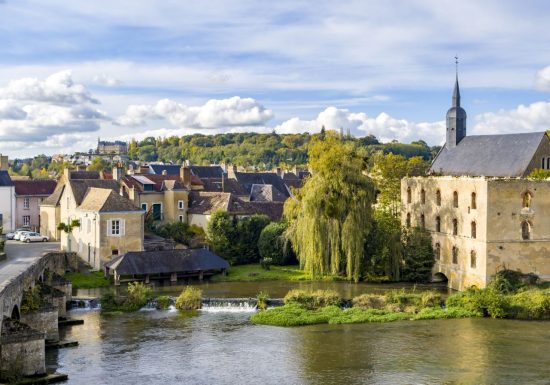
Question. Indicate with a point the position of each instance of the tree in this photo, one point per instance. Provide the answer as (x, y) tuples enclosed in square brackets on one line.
[(98, 164), (331, 217), (418, 255), (273, 244), (383, 249)]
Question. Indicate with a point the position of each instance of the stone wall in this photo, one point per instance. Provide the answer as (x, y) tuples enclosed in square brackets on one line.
[(44, 321), (24, 354)]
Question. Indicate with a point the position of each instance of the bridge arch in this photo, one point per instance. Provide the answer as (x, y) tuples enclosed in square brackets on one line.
[(439, 277), (15, 314)]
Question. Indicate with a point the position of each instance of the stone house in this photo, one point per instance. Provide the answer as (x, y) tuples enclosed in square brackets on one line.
[(482, 212), (29, 194), (7, 202)]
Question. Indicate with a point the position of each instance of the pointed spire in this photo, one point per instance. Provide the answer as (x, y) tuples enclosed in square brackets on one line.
[(456, 93)]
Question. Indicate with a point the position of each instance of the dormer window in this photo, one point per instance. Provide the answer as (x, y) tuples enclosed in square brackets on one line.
[(148, 187)]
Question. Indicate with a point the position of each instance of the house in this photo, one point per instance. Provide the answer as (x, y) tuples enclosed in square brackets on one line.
[(29, 194), (7, 202), (262, 186), (481, 210)]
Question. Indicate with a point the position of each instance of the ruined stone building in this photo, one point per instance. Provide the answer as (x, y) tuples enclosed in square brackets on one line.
[(482, 211)]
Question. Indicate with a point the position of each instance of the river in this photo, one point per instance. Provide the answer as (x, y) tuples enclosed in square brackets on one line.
[(168, 347)]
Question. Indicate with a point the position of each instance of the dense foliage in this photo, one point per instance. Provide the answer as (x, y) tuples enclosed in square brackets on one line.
[(418, 255), (137, 295), (273, 244), (236, 239), (180, 232), (189, 299), (539, 173)]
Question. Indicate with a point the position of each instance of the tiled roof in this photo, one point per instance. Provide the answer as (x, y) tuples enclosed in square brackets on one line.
[(266, 193), (158, 180), (248, 179), (80, 187), (106, 200), (35, 187), (5, 180), (202, 202), (229, 185), (84, 175), (55, 197)]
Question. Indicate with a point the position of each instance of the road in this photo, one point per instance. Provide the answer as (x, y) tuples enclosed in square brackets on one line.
[(20, 257)]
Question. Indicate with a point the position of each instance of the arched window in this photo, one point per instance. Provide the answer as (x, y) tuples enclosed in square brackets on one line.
[(473, 229), (455, 255), (526, 200), (455, 226), (438, 224), (455, 199), (422, 221), (423, 196), (473, 203), (437, 251), (525, 230), (409, 195), (473, 259), (408, 219), (438, 197)]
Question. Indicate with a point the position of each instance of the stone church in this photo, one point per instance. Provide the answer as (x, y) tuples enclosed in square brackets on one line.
[(482, 211)]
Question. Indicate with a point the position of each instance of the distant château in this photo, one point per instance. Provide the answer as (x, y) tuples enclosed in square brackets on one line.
[(116, 147)]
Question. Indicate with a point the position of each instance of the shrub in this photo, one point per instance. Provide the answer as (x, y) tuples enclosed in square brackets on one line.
[(261, 300), (110, 302), (2, 245), (313, 299), (488, 302), (265, 263), (163, 302), (530, 304), (272, 244), (189, 299), (369, 301), (138, 294), (32, 300)]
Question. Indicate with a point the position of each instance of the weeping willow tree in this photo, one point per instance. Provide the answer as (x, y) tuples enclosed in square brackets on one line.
[(331, 216)]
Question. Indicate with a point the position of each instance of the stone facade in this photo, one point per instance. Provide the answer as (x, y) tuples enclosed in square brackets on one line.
[(481, 225), (25, 353), (44, 321)]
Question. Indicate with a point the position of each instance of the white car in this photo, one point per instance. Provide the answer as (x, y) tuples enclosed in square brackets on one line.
[(19, 233), (30, 236), (12, 234)]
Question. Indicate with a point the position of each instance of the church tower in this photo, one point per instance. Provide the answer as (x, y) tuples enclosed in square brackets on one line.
[(456, 120)]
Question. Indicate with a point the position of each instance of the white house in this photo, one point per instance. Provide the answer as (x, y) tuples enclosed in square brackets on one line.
[(7, 202)]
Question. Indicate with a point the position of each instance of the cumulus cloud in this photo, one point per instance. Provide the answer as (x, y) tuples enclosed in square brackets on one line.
[(542, 79), (530, 118), (383, 126), (34, 111), (214, 114), (106, 80)]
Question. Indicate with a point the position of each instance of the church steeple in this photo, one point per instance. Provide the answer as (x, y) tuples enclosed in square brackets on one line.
[(456, 117)]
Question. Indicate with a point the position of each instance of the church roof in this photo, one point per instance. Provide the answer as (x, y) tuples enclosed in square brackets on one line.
[(489, 155)]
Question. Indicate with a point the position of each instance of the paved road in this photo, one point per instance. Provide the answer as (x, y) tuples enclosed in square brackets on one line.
[(20, 256)]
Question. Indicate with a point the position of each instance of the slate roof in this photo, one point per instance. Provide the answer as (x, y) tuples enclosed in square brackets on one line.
[(207, 171), (229, 185), (106, 200), (80, 187), (248, 179), (35, 187), (171, 169), (5, 180), (84, 175), (167, 261), (266, 193), (161, 182), (274, 210), (489, 155)]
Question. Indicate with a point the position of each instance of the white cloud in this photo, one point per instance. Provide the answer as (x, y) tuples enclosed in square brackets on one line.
[(531, 118), (106, 80), (214, 114), (542, 79)]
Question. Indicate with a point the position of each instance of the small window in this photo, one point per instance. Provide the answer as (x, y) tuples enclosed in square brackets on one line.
[(525, 230), (409, 195), (455, 255), (455, 226), (526, 200), (438, 197), (473, 259), (26, 220), (437, 251), (408, 219), (181, 218), (422, 221), (473, 203), (144, 206), (473, 229), (115, 227), (26, 203), (543, 166), (455, 199), (114, 252), (422, 196), (438, 224), (181, 205)]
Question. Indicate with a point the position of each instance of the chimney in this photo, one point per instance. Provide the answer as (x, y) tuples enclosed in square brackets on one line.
[(231, 172), (279, 172), (118, 172), (223, 182), (164, 172), (67, 173), (185, 175)]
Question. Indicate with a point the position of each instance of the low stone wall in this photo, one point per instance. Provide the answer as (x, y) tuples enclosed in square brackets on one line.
[(66, 288), (22, 351), (43, 320)]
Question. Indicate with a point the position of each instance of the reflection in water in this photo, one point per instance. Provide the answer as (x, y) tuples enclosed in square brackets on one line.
[(163, 347)]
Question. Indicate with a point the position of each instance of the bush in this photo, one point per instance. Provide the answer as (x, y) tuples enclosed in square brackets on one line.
[(110, 302), (189, 299), (272, 244), (369, 301), (265, 263), (163, 302), (32, 300), (488, 302), (2, 245), (138, 294), (530, 304), (261, 300), (313, 299)]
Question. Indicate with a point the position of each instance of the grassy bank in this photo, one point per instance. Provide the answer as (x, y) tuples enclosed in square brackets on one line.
[(252, 273), (89, 280)]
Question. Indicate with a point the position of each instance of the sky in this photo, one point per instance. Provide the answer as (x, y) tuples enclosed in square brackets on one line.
[(73, 71)]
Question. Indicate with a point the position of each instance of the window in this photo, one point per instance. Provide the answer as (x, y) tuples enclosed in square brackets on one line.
[(438, 197), (473, 203), (438, 224), (408, 219), (526, 199), (148, 187), (437, 251), (144, 206), (525, 230), (181, 205), (26, 203), (455, 199), (115, 227), (181, 218), (89, 221), (473, 259), (409, 195), (26, 220), (423, 196), (473, 229), (422, 221), (455, 255), (543, 163), (114, 252), (455, 226)]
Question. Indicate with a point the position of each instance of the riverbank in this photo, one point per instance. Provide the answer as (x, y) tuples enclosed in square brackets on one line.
[(90, 280), (254, 273)]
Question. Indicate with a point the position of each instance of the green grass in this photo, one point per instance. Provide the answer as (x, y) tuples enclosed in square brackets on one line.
[(252, 273), (88, 281)]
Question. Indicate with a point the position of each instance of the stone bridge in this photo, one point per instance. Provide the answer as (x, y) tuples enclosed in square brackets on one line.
[(25, 266)]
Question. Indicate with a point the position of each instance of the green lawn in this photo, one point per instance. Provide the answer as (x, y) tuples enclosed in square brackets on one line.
[(250, 273), (88, 281)]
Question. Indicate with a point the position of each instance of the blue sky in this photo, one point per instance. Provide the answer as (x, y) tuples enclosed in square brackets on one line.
[(71, 71)]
